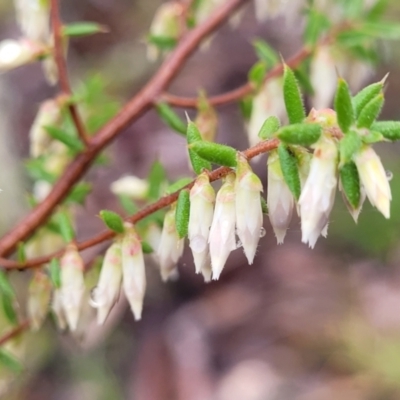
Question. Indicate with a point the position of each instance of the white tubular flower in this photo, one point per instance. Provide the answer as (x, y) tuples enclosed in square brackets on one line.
[(131, 186), (206, 120), (39, 294), (222, 233), (33, 18), (72, 285), (280, 200), (133, 270), (58, 310), (373, 178), (15, 53), (49, 114), (202, 198), (268, 102), (249, 218), (318, 194), (171, 247), (106, 293)]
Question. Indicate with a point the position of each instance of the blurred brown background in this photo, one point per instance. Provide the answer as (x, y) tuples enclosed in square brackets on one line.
[(297, 325)]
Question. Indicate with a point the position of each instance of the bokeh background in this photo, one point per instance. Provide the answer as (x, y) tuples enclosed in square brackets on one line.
[(298, 324)]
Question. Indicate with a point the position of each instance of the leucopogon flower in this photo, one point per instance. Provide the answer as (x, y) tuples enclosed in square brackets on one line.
[(318, 194), (130, 186)]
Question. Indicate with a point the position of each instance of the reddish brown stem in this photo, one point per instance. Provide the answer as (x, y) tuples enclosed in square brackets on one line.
[(131, 112), (165, 201), (14, 332)]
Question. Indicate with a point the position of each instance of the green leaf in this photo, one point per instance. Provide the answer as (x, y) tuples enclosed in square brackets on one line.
[(156, 179), (246, 106), (198, 163), (377, 10), (8, 308), (65, 226), (292, 96), (83, 29), (344, 106), (55, 272), (21, 254), (162, 42), (37, 170), (349, 145), (215, 153), (171, 118), (364, 96), (381, 29), (178, 185), (389, 129), (265, 52), (303, 134), (317, 23), (5, 285), (112, 220), (268, 129), (146, 248), (350, 181), (257, 74), (127, 204), (70, 141), (371, 111), (10, 362), (290, 170), (264, 206), (182, 213), (79, 193), (372, 137), (302, 74)]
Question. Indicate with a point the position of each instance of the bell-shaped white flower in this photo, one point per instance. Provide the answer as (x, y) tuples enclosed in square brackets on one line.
[(171, 247), (202, 198), (318, 194), (58, 310), (106, 293), (39, 295), (249, 218), (130, 186), (72, 285), (133, 270), (374, 179), (280, 199), (15, 53), (222, 233), (268, 102), (49, 114)]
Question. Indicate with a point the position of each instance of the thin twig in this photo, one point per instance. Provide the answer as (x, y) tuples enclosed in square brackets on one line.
[(141, 103), (62, 69), (14, 332), (165, 201)]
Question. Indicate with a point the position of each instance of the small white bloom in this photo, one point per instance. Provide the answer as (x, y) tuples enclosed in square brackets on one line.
[(373, 178), (133, 270), (222, 232), (39, 294), (249, 218), (268, 102), (131, 186), (72, 285), (280, 199), (171, 247), (58, 310), (318, 194), (106, 293), (14, 54), (202, 198)]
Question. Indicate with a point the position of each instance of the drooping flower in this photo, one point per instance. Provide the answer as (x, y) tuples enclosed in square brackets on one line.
[(318, 194), (202, 198), (106, 293), (206, 119), (58, 310), (72, 285), (131, 186), (222, 232), (280, 199), (133, 270), (374, 179), (171, 247), (249, 218)]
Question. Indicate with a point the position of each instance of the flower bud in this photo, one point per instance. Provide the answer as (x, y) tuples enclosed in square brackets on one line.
[(249, 218), (171, 247), (280, 200), (106, 293), (14, 54), (39, 294), (373, 178), (49, 114), (268, 102), (222, 233), (72, 285), (131, 186), (318, 194), (58, 310), (202, 198), (133, 269)]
